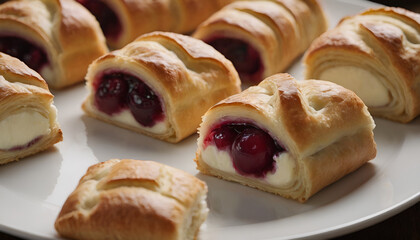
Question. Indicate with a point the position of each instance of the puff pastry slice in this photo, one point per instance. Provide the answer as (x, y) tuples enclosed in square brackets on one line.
[(132, 199), (160, 85), (28, 121), (376, 54), (262, 38), (124, 20), (56, 38), (286, 137)]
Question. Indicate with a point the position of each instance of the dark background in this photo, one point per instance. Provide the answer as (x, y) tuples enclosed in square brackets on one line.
[(405, 225)]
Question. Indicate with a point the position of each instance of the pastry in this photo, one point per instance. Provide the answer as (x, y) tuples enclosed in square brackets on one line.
[(160, 85), (56, 38), (28, 121), (133, 199), (376, 54), (286, 137), (262, 38), (124, 20)]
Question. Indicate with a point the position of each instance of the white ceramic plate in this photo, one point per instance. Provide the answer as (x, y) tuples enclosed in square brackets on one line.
[(33, 190)]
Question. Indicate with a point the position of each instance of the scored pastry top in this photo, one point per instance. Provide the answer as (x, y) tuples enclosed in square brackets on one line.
[(306, 115), (14, 70), (262, 38), (181, 74), (63, 32), (148, 175), (395, 30), (286, 137), (131, 197), (376, 54), (170, 57), (124, 20), (54, 19)]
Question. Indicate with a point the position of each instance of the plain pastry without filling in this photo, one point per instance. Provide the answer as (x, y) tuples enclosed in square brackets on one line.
[(56, 38), (376, 54), (132, 199), (262, 38), (28, 121), (160, 85), (286, 137)]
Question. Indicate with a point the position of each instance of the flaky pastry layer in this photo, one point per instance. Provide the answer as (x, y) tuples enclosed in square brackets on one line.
[(325, 128), (376, 54), (280, 30), (133, 199), (187, 74), (65, 30), (22, 90), (179, 16)]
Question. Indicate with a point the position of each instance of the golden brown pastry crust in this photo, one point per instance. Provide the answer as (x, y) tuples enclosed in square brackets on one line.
[(133, 199), (68, 33), (188, 75), (280, 30), (322, 126), (24, 90), (145, 16), (384, 43)]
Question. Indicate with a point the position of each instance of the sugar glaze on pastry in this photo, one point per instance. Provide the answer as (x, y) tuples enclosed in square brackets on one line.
[(160, 85), (376, 54), (56, 38), (286, 137), (28, 118), (133, 199)]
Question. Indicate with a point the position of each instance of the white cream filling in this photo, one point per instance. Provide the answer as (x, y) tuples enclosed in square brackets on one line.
[(216, 159), (284, 170), (47, 73), (283, 174), (21, 128), (127, 117), (368, 87)]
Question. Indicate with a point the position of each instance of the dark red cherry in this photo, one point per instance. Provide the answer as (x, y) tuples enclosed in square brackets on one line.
[(117, 91), (33, 58), (110, 23), (144, 104), (244, 57), (253, 151), (111, 94), (30, 54), (223, 137)]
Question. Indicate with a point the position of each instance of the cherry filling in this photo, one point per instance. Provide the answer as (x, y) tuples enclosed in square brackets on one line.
[(29, 144), (110, 24), (244, 57), (144, 104), (118, 91), (31, 55), (111, 94), (252, 149)]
